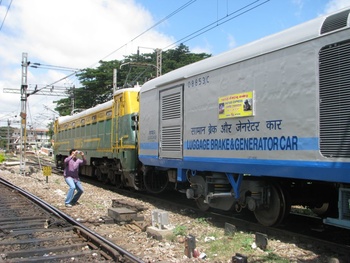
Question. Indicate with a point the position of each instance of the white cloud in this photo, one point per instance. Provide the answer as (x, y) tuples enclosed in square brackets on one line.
[(299, 4), (231, 41), (78, 33), (67, 33), (335, 5), (205, 47)]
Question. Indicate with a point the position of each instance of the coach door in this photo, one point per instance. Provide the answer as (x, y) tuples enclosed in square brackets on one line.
[(171, 119)]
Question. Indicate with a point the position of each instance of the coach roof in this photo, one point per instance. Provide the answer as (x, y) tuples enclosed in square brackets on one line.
[(289, 37), (97, 108)]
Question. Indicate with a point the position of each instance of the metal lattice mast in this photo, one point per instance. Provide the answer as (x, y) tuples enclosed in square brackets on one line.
[(159, 62), (23, 114)]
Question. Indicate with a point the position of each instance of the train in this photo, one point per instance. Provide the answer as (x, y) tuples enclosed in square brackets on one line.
[(263, 127)]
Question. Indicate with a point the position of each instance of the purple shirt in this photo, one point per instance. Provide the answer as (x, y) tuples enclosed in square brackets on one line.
[(72, 167)]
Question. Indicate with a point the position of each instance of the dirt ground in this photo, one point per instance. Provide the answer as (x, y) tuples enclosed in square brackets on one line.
[(94, 204)]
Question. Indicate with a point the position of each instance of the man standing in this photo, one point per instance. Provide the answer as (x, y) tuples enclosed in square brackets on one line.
[(71, 175)]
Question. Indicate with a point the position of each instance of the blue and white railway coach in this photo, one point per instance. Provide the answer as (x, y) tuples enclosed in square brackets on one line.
[(263, 126)]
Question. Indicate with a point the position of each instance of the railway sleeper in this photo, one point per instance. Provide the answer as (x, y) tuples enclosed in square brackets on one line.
[(53, 258), (105, 248), (39, 241), (41, 252)]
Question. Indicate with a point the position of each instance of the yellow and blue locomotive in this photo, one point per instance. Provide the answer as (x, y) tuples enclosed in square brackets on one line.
[(107, 134)]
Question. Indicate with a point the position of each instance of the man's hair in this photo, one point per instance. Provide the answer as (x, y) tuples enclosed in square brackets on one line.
[(70, 152)]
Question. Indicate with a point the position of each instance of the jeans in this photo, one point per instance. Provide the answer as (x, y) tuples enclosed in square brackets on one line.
[(71, 198)]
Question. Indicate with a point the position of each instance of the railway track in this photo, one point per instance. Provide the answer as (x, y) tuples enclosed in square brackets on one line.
[(297, 229), (33, 231)]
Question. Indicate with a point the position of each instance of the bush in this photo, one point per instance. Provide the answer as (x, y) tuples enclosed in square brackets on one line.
[(180, 230), (2, 157)]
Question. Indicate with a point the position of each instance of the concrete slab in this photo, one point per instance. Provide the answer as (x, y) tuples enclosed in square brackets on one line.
[(121, 214), (159, 234), (11, 163), (128, 204)]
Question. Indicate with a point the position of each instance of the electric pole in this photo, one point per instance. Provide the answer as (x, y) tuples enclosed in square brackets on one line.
[(23, 114), (8, 135), (114, 80), (159, 61), (48, 90)]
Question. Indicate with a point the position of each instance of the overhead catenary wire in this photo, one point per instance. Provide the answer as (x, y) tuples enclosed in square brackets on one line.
[(201, 31), (3, 21), (139, 35), (39, 65), (153, 26), (216, 23), (50, 85), (196, 33)]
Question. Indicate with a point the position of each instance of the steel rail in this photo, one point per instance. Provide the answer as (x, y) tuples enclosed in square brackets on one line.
[(60, 214)]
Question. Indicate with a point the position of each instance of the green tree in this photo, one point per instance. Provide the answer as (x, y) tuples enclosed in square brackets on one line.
[(3, 137), (50, 126), (5, 131), (179, 57), (97, 83)]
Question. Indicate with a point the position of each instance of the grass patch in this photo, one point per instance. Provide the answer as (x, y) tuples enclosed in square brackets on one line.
[(201, 220), (180, 230), (217, 246), (2, 158), (229, 245)]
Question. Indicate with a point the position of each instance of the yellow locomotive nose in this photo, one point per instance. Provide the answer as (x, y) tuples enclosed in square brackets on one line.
[(106, 136)]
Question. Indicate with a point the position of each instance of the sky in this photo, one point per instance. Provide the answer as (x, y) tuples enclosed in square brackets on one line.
[(66, 35)]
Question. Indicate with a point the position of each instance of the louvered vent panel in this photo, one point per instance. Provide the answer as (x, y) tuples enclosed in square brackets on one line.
[(171, 106), (335, 100), (171, 139), (335, 22), (171, 123)]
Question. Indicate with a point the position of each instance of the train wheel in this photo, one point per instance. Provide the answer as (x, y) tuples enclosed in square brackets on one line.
[(155, 181), (115, 179), (117, 182), (201, 204), (278, 208), (102, 177)]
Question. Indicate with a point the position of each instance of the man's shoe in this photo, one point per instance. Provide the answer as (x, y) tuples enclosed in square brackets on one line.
[(68, 205)]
